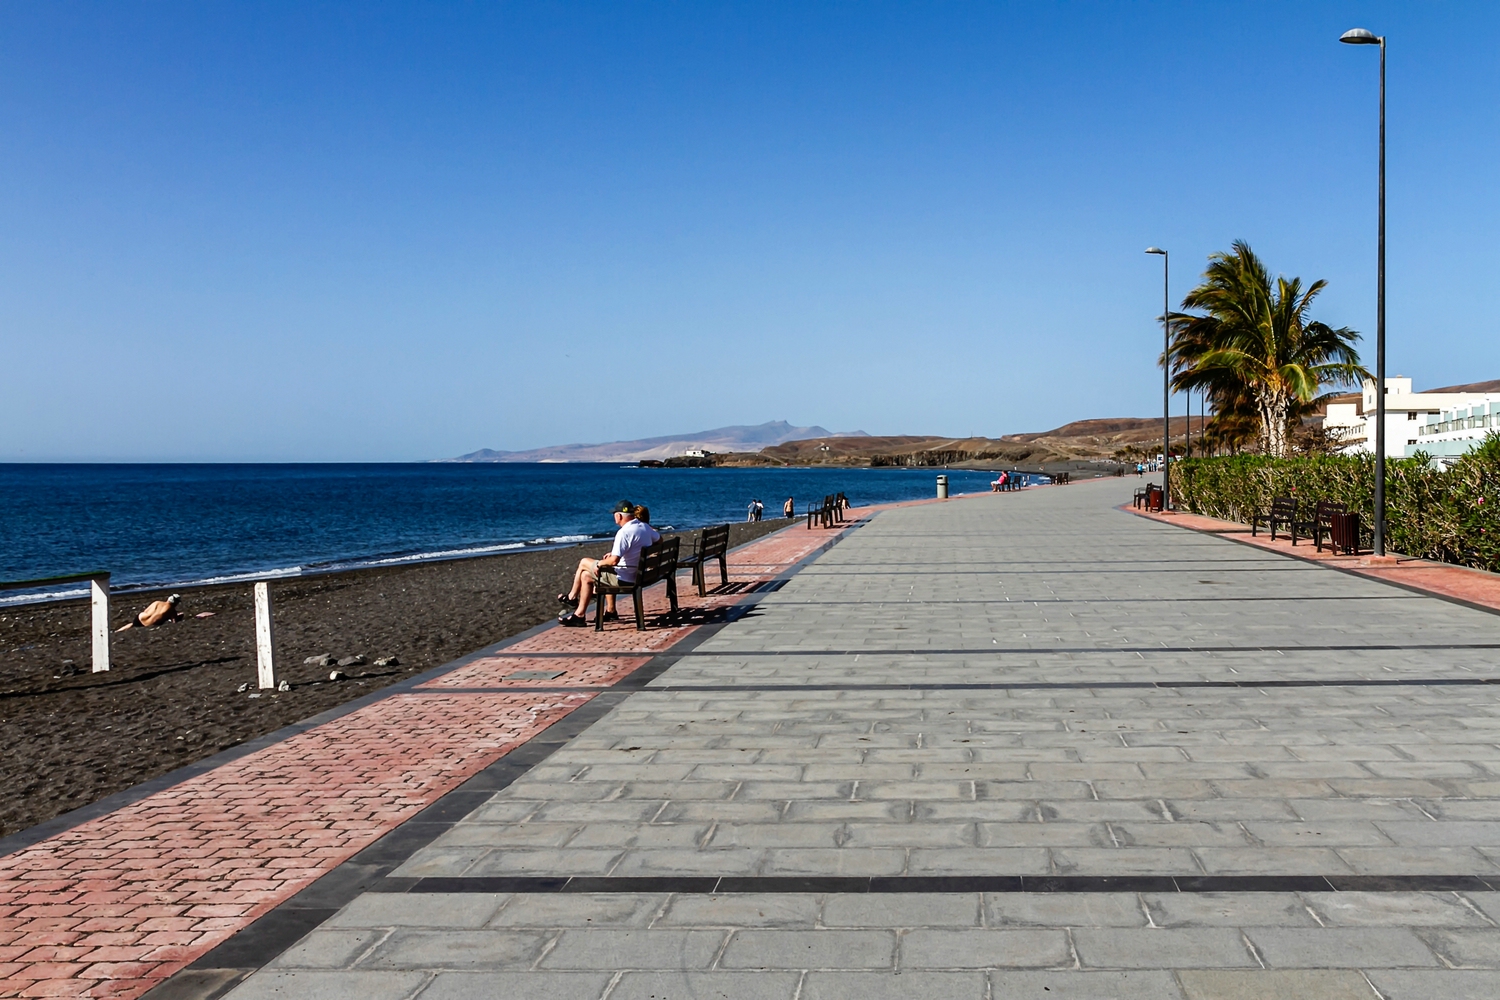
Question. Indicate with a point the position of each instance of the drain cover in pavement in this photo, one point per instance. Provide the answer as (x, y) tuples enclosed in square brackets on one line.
[(534, 675)]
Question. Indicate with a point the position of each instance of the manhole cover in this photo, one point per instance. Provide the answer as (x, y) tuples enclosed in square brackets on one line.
[(534, 675)]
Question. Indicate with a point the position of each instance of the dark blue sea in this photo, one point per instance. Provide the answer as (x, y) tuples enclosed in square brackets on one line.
[(163, 525)]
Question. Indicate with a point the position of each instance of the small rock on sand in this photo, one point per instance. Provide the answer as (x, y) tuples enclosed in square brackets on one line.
[(284, 686), (388, 661), (243, 688), (336, 675), (321, 660), (352, 661)]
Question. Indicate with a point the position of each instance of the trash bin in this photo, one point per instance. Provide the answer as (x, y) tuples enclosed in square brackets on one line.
[(942, 487)]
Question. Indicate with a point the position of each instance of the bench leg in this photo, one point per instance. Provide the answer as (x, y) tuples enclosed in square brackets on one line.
[(672, 592), (640, 609), (699, 580), (723, 571), (599, 611)]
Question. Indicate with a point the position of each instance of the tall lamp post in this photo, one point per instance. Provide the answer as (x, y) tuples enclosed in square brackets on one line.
[(1166, 387), (1360, 36)]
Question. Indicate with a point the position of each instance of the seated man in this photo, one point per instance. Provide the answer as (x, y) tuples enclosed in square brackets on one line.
[(615, 570)]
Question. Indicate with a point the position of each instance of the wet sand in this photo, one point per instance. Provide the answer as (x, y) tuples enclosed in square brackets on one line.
[(72, 736)]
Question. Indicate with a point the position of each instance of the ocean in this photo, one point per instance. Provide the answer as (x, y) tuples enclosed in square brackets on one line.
[(178, 525)]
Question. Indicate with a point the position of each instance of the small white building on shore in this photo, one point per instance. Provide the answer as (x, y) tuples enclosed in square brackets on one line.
[(1458, 429), (1407, 412)]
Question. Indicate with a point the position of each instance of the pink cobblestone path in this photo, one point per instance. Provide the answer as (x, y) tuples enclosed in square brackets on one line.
[(117, 904)]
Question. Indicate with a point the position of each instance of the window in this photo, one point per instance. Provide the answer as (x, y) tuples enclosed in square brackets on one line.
[(1411, 414), (1411, 441)]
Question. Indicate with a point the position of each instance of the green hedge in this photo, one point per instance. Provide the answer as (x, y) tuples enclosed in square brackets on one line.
[(1452, 516)]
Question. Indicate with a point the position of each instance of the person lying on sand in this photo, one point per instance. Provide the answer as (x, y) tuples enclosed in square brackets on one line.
[(156, 612), (615, 570)]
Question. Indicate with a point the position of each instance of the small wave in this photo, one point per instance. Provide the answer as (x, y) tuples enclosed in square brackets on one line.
[(265, 574), (443, 554), (51, 595), (562, 539)]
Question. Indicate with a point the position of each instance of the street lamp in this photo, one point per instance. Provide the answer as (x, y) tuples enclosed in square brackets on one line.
[(1166, 389), (1360, 36)]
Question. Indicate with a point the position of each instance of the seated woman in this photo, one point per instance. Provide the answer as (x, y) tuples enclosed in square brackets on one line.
[(615, 570)]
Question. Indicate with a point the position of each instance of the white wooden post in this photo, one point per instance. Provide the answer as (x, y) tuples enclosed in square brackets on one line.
[(99, 594), (265, 665)]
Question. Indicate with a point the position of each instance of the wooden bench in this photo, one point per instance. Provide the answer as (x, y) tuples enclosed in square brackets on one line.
[(1143, 495), (658, 565), (1322, 522), (823, 514), (1283, 512), (712, 543), (840, 504)]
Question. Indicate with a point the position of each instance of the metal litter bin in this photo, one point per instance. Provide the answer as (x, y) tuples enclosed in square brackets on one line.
[(942, 487)]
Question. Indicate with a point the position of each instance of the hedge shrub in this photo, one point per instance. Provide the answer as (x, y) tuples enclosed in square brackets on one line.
[(1452, 516)]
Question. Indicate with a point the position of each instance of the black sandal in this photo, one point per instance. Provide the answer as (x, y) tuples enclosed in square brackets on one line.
[(566, 601)]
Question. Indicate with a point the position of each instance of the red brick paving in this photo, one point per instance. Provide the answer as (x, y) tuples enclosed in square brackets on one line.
[(1472, 585), (115, 905)]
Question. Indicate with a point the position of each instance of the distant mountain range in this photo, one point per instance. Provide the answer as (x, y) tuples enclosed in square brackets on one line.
[(721, 439)]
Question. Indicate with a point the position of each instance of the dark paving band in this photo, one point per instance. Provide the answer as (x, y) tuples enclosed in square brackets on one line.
[(997, 650), (709, 885), (999, 686)]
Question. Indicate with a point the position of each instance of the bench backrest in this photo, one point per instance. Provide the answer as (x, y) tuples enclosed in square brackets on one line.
[(1328, 508), (1283, 507), (713, 542), (658, 562)]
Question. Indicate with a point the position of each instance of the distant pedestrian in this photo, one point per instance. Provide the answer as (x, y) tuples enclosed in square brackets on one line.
[(789, 509), (760, 510), (750, 512)]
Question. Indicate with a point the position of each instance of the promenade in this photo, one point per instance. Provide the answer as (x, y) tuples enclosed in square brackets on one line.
[(1011, 745)]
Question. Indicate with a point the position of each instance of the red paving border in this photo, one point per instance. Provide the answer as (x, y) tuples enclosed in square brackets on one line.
[(115, 905), (1471, 586)]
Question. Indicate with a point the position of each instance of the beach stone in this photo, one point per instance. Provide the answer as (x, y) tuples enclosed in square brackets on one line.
[(255, 695), (284, 686), (336, 675), (243, 688), (388, 661), (352, 661), (321, 660)]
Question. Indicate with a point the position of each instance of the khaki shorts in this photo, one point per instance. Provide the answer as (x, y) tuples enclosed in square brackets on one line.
[(610, 578)]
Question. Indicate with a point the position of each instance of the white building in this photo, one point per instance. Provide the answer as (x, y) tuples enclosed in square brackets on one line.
[(1406, 412), (1455, 430)]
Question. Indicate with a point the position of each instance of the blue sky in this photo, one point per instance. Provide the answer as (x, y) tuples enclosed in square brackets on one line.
[(373, 232)]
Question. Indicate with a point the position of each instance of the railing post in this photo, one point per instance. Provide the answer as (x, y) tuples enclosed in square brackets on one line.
[(264, 662), (99, 598)]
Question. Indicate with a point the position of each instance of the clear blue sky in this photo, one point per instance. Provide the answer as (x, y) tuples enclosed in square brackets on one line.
[(389, 232)]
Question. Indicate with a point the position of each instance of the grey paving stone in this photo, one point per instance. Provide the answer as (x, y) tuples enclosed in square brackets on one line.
[(1276, 984), (1063, 909), (902, 910), (605, 909), (610, 948), (1467, 949), (985, 949), (1191, 948), (1392, 909), (305, 984), (379, 909), (1449, 984), (1081, 985), (752, 909), (327, 949), (1228, 909), (457, 949), (902, 985), (531, 985), (1340, 947), (669, 985), (830, 949)]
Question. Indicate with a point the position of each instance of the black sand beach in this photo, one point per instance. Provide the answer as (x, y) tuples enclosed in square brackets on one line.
[(72, 737)]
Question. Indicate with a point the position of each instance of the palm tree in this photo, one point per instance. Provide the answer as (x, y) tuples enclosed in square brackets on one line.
[(1256, 345)]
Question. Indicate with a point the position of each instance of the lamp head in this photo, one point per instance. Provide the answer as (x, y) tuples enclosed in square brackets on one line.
[(1359, 36), (1157, 250)]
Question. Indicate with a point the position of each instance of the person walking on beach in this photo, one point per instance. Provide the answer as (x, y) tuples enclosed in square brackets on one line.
[(788, 509), (615, 570)]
